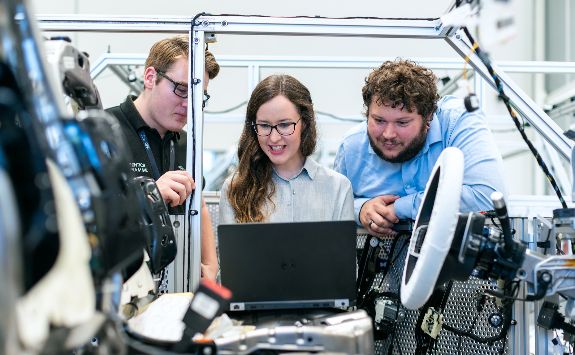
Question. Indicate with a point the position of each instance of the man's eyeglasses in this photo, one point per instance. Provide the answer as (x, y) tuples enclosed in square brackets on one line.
[(206, 98), (180, 89), (283, 128)]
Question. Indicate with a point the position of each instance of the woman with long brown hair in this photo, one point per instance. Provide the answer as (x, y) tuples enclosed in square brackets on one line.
[(276, 179)]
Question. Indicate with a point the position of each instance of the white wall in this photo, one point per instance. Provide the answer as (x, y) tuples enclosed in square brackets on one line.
[(334, 90)]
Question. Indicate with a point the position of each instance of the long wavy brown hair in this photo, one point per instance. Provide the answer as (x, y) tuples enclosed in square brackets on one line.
[(404, 84), (252, 185)]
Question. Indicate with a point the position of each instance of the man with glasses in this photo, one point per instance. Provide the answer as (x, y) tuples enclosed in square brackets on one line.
[(389, 158), (153, 124)]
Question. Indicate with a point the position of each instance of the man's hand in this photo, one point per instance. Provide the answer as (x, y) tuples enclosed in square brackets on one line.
[(378, 215), (175, 186)]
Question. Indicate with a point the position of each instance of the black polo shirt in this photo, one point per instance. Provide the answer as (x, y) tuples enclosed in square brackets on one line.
[(132, 123)]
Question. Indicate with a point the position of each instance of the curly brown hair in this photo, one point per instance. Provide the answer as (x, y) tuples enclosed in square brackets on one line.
[(402, 83), (212, 66), (252, 185)]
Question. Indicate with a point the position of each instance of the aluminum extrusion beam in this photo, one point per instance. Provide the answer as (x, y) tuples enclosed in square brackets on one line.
[(122, 73), (259, 25), (317, 26), (195, 166), (550, 131), (332, 62), (110, 59), (108, 23)]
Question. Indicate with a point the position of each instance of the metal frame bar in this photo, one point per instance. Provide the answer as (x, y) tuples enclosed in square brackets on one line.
[(197, 63), (111, 59), (335, 27), (264, 61)]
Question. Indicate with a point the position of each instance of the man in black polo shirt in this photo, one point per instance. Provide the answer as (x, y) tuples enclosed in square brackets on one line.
[(153, 123)]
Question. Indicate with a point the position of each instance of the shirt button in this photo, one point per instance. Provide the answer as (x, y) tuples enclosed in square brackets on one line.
[(293, 192)]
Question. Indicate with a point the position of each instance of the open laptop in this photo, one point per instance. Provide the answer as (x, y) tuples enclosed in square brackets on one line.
[(289, 265)]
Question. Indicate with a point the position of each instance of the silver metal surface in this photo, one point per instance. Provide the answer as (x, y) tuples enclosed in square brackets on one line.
[(111, 23), (176, 270), (396, 28), (344, 333), (194, 164)]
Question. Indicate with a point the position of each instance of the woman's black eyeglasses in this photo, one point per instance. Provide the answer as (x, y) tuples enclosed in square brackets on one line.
[(283, 128)]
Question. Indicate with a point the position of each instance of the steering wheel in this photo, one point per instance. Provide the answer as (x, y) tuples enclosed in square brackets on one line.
[(433, 230)]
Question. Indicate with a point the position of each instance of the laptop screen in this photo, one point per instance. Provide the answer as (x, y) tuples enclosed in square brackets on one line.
[(289, 265)]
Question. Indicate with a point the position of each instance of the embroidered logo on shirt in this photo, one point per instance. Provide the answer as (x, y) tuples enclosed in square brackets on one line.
[(139, 167)]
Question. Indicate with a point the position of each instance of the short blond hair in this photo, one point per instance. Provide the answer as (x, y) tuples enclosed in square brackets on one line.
[(166, 51)]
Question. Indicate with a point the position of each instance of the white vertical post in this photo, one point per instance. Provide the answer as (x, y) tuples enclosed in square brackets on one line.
[(192, 251)]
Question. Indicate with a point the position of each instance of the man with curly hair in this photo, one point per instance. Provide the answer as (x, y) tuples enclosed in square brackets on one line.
[(389, 158)]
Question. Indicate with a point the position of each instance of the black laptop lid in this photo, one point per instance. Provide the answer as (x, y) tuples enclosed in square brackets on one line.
[(287, 265)]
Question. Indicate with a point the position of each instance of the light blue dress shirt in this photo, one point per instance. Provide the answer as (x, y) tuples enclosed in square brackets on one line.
[(316, 193), (452, 126)]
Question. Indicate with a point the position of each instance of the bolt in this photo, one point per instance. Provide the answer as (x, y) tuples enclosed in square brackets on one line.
[(495, 320)]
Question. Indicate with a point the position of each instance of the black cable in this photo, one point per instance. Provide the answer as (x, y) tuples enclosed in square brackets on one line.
[(328, 18), (507, 310), (486, 61), (513, 295), (479, 309), (469, 329), (193, 132), (547, 241), (495, 224)]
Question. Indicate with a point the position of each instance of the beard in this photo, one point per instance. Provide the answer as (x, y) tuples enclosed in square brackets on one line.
[(410, 150)]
